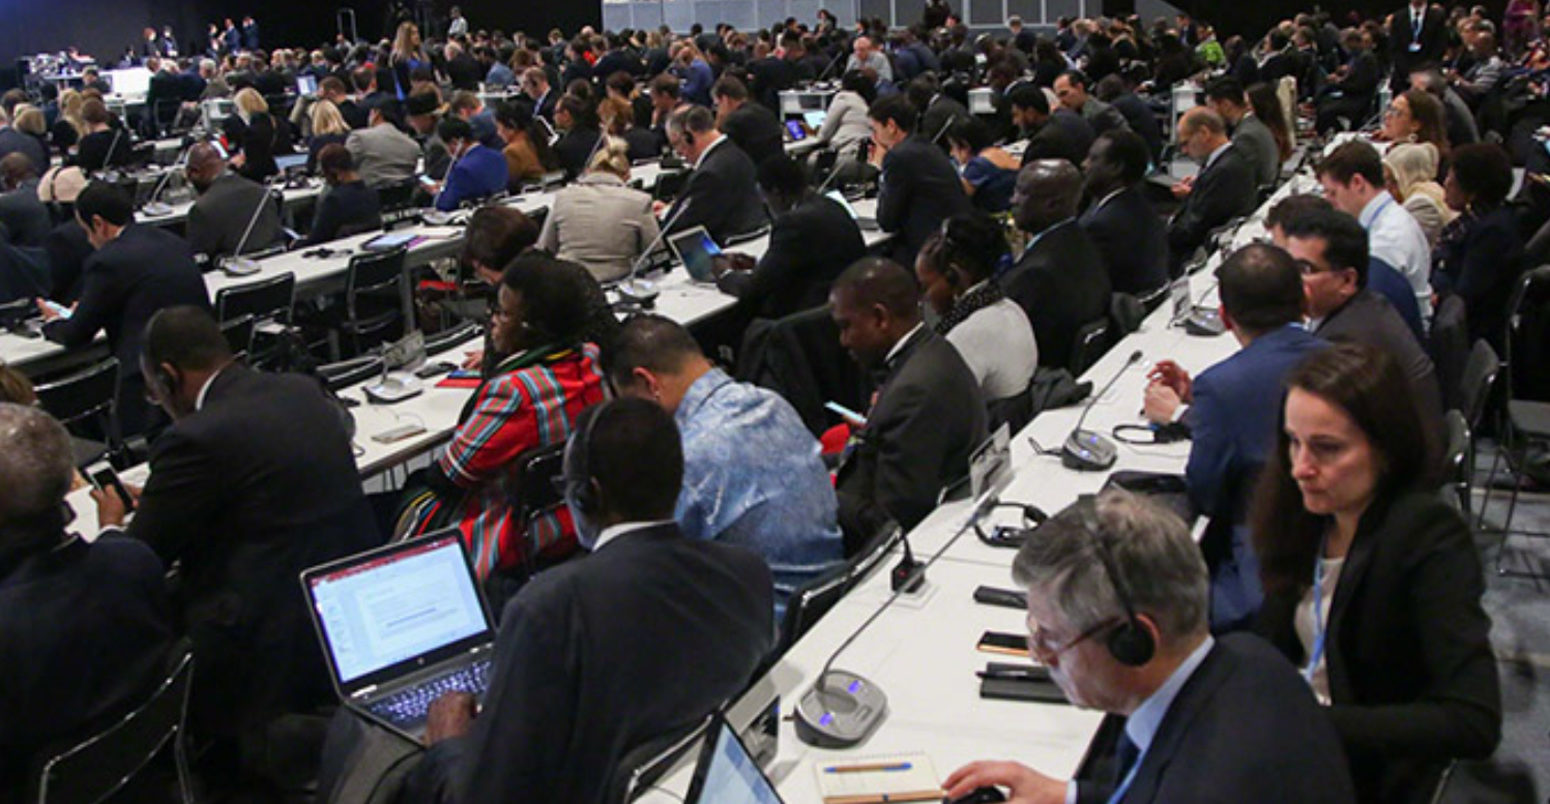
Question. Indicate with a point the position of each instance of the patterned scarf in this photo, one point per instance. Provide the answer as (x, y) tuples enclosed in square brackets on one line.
[(978, 298)]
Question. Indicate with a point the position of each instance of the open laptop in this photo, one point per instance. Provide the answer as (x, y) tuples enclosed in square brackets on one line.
[(697, 250), (727, 773), (814, 119), (865, 224), (306, 84), (400, 626), (291, 162)]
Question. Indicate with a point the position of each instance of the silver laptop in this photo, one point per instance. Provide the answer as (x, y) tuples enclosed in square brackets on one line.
[(697, 250), (814, 119), (726, 773), (401, 626), (863, 223)]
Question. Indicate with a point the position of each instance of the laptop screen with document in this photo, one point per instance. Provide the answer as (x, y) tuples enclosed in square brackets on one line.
[(387, 607)]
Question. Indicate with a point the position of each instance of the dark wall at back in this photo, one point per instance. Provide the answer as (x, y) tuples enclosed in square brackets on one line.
[(104, 28), (1252, 20)]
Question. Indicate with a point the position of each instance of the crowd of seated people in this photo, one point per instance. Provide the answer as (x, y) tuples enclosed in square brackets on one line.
[(1313, 447)]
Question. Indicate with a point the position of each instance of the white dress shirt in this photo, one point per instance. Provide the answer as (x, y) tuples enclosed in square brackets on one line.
[(1395, 237)]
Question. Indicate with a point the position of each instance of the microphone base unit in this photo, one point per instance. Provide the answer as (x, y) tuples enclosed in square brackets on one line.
[(839, 711), (1088, 451), (638, 291), (395, 387), (900, 581), (156, 209), (1204, 322), (240, 266)]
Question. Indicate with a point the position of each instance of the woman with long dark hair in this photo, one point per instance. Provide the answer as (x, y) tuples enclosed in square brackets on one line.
[(1267, 107), (1372, 584)]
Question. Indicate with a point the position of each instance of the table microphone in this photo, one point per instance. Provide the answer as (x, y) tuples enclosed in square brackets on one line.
[(154, 208), (235, 264), (1089, 451), (638, 290)]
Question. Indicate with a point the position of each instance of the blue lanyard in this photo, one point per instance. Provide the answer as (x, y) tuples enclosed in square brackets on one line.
[(1319, 634), (1375, 213), (1124, 786)]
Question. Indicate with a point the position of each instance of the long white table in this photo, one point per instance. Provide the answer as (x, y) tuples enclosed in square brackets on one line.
[(180, 210)]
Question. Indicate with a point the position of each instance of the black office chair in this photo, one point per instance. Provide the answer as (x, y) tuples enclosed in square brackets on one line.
[(373, 301), (267, 300), (644, 764), (1092, 340), (1524, 423), (812, 600), (535, 495), (85, 403), (102, 765), (345, 373), (1476, 381), (396, 197), (1459, 461), (1448, 344), (239, 335)]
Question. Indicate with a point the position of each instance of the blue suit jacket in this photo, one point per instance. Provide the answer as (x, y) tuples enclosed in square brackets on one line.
[(481, 172), (1232, 420), (1383, 280)]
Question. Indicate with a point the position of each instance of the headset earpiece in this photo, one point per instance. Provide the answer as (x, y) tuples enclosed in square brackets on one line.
[(1130, 643), (581, 485)]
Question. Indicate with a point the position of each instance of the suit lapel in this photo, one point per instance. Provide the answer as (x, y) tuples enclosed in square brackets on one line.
[(1352, 574), (1190, 702)]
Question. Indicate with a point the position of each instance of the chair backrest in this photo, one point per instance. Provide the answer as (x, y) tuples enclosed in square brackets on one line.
[(644, 764), (1092, 340), (239, 334), (345, 373), (1458, 458), (395, 197), (1526, 284), (1448, 344), (265, 300), (93, 770), (372, 272), (812, 600), (1475, 382), (87, 392)]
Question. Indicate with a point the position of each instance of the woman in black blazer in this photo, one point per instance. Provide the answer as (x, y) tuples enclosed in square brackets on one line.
[(1346, 515)]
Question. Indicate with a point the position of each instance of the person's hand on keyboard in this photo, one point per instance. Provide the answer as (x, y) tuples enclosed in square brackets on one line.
[(451, 715)]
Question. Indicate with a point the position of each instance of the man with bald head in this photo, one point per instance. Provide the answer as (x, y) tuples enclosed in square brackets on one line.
[(926, 417), (1060, 279), (84, 626), (1225, 188), (227, 203)]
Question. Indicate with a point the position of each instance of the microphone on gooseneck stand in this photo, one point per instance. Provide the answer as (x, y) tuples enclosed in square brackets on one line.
[(635, 289), (154, 208), (1086, 450), (832, 62), (236, 264), (937, 138)]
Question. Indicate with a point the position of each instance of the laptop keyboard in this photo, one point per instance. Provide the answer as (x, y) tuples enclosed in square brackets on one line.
[(409, 705)]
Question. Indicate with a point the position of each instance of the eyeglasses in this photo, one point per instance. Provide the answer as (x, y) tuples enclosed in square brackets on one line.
[(1309, 269), (1043, 648)]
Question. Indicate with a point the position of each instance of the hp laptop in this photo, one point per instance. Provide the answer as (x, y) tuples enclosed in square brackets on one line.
[(401, 626), (727, 773), (697, 250), (865, 224)]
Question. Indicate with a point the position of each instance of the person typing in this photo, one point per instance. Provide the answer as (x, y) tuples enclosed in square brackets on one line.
[(720, 194), (218, 223), (1117, 598)]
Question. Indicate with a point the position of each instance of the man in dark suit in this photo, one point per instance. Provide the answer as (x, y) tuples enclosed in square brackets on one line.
[(1114, 91), (85, 627), (253, 483), (25, 219), (1331, 249), (1060, 279), (577, 121), (813, 238), (1231, 411), (937, 109), (1117, 592), (226, 204), (751, 126), (918, 188), (535, 85), (1061, 135), (721, 194), (1071, 88), (1224, 189), (1120, 221), (1347, 98), (135, 271), (13, 141), (462, 70), (633, 643), (1250, 136), (1418, 35), (769, 75), (928, 413)]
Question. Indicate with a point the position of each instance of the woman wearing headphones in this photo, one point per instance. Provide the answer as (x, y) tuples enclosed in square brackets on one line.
[(990, 331), (1372, 583), (544, 376)]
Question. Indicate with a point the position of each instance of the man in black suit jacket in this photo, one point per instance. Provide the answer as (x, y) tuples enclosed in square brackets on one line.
[(1120, 221), (253, 483), (1138, 115), (462, 70), (1332, 248), (633, 643), (1224, 189), (1060, 279), (1418, 35), (721, 194), (135, 271), (928, 414), (1059, 135), (1348, 95), (918, 188), (227, 202), (85, 627), (937, 109), (752, 126), (1192, 718), (812, 240)]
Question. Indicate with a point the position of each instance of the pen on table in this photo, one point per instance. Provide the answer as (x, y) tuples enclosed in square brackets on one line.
[(868, 768)]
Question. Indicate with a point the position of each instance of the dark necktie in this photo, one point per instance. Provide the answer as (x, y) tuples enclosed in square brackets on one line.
[(1125, 755)]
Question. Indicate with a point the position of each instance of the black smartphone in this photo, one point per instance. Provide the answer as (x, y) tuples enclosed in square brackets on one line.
[(1008, 598), (105, 478), (1008, 644), (430, 370)]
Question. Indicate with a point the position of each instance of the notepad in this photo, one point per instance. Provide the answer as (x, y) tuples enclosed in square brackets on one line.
[(875, 780)]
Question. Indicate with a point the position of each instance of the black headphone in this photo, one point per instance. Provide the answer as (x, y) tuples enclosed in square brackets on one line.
[(580, 486), (1129, 644)]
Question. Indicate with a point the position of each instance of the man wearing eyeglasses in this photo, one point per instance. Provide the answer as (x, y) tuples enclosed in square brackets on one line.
[(1230, 411), (1117, 597)]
